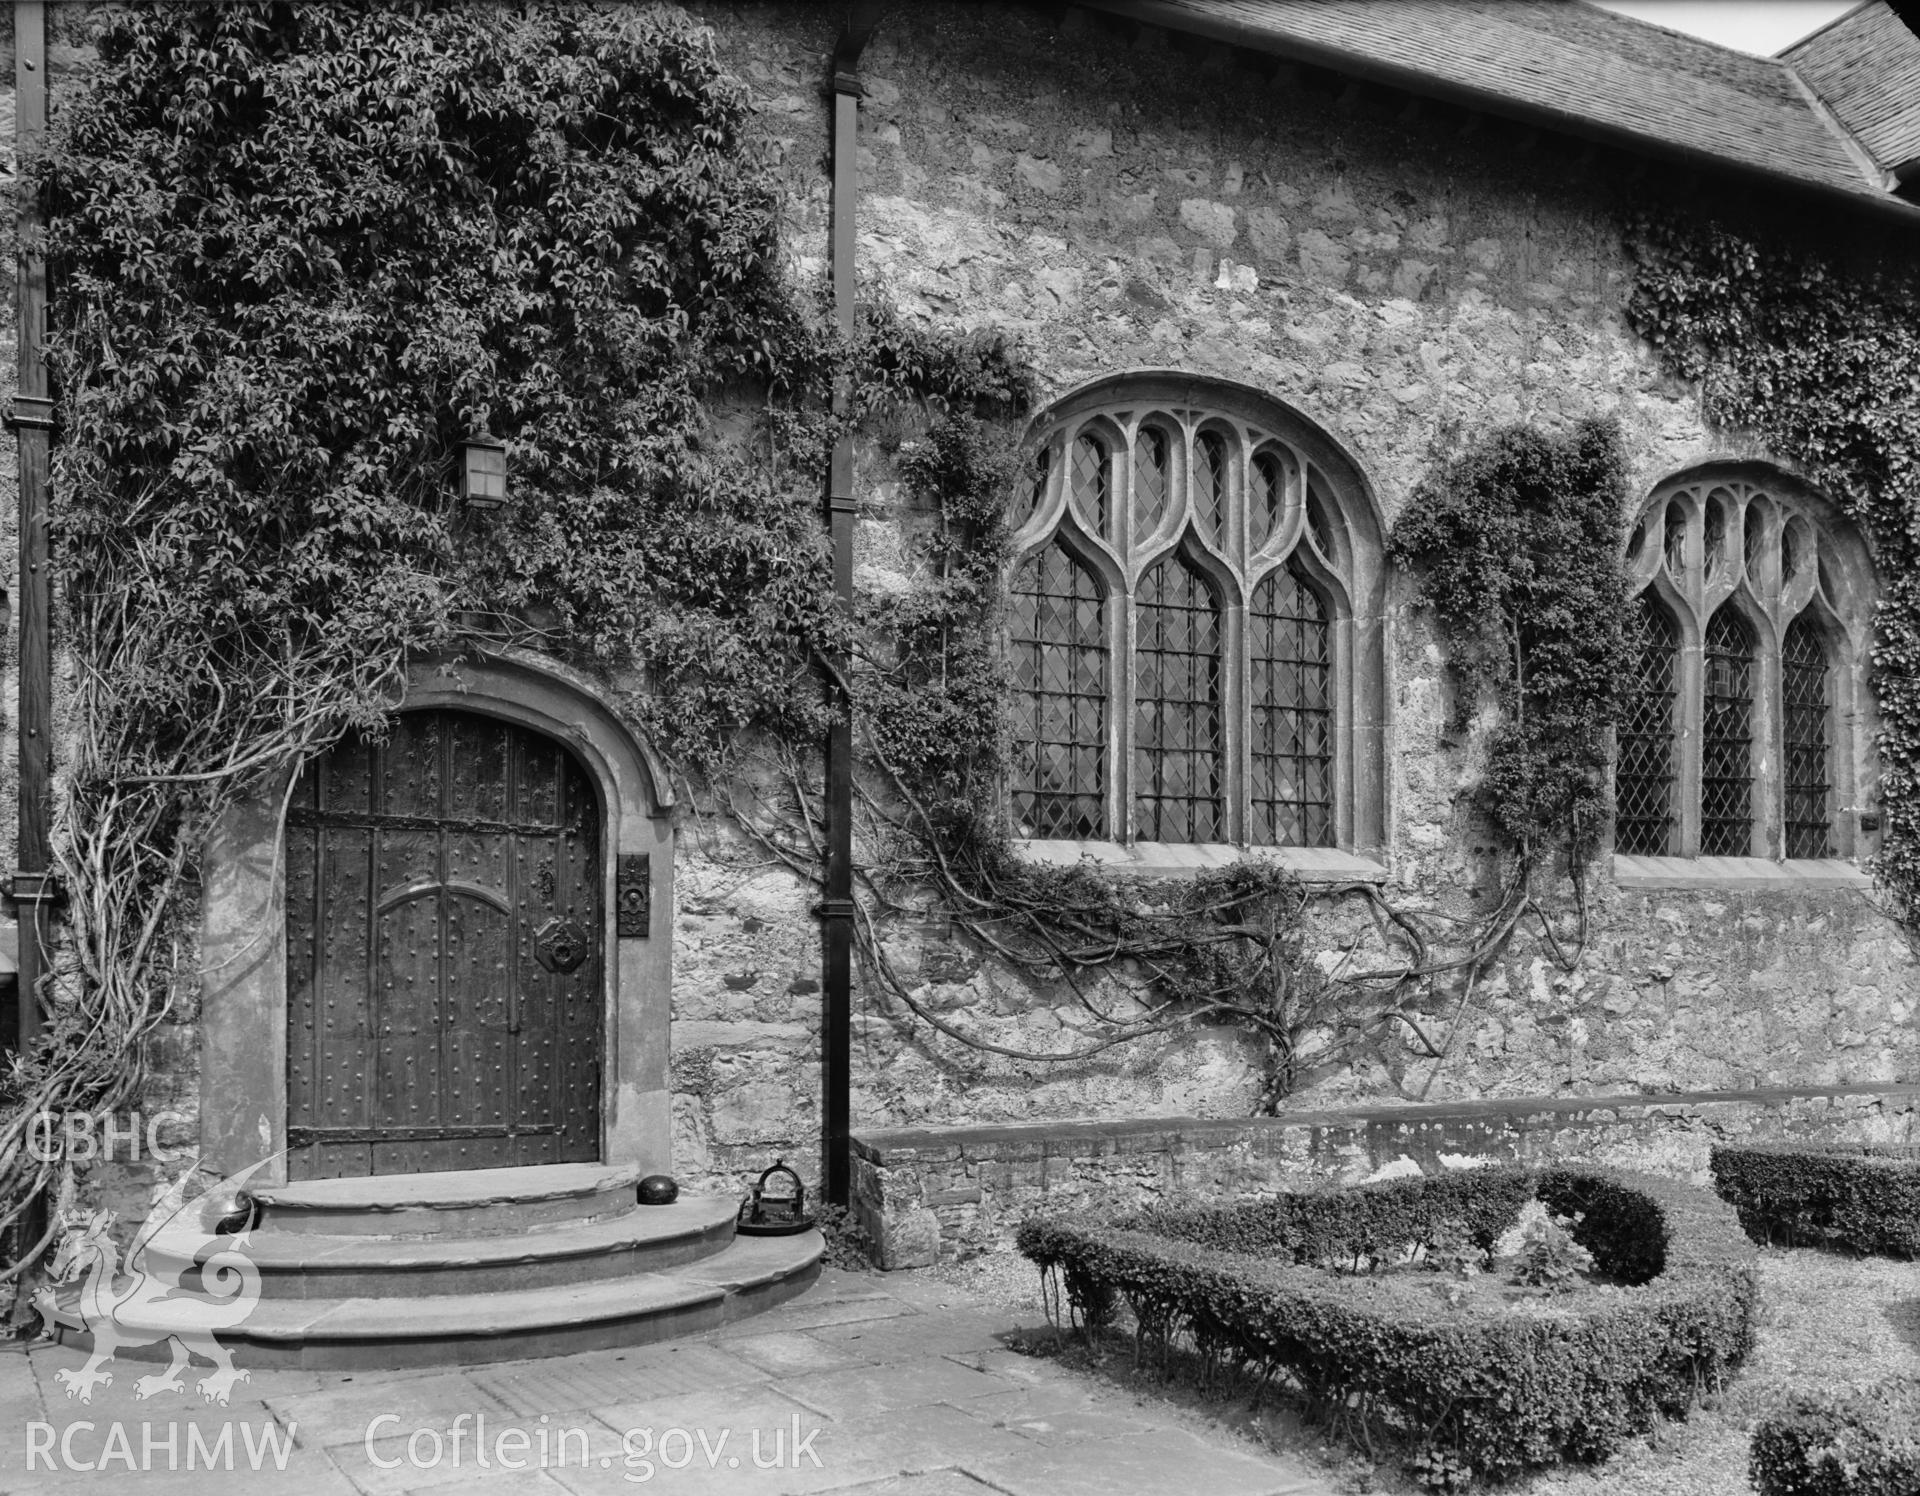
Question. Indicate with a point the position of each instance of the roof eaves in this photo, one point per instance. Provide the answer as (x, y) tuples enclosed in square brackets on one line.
[(1871, 195)]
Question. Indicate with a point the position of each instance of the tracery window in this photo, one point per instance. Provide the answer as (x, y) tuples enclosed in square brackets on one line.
[(1742, 735), (1194, 625)]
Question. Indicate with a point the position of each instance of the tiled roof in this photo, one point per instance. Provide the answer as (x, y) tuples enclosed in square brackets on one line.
[(1866, 68), (1565, 64)]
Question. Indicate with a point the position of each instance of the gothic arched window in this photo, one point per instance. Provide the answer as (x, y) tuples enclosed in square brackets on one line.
[(1744, 735), (1227, 555)]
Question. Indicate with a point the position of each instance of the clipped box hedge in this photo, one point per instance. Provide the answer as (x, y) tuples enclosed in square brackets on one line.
[(1824, 1194), (1860, 1443), (1497, 1390)]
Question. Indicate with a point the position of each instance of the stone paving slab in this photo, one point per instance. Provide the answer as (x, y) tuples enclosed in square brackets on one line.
[(908, 1388), (344, 1413), (795, 1354), (1012, 1366), (434, 1465), (742, 1409), (858, 1453), (1161, 1459), (141, 1472), (1071, 1425), (933, 1483), (842, 1395), (566, 1383), (941, 1332)]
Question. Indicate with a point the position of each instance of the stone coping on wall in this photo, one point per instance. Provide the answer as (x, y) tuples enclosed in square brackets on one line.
[(1190, 860), (1737, 873), (923, 1193), (892, 1147)]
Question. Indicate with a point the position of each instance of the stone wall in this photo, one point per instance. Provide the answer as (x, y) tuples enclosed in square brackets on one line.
[(1121, 199), (930, 1193)]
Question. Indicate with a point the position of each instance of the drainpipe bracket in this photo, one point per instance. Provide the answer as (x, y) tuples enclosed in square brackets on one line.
[(31, 411), (35, 888)]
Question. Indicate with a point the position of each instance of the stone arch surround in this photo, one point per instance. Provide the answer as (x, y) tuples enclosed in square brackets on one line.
[(243, 1012)]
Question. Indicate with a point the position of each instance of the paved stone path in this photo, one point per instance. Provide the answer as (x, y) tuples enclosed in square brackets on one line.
[(877, 1385)]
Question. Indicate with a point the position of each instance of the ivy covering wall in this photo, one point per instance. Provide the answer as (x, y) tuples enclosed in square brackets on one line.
[(303, 251), (300, 253), (1818, 355)]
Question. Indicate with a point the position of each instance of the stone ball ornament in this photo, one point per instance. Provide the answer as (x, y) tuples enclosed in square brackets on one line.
[(658, 1189)]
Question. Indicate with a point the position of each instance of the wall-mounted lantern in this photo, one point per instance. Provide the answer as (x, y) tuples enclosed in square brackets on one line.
[(483, 471)]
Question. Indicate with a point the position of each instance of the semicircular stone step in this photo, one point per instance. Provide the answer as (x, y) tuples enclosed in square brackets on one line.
[(310, 1265), (459, 1202), (752, 1274)]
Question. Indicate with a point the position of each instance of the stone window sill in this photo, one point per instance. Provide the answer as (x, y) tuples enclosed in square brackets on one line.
[(1189, 860), (1736, 872)]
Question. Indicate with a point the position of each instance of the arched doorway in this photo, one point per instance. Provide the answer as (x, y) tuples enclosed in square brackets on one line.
[(445, 928)]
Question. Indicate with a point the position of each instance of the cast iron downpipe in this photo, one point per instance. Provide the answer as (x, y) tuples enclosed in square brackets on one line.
[(31, 417), (836, 910)]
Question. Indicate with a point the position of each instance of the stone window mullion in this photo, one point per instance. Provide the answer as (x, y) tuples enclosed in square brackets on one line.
[(1688, 701), (1239, 709), (1768, 745)]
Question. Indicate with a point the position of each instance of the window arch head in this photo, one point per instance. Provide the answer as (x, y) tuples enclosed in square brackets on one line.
[(1234, 505), (1765, 731)]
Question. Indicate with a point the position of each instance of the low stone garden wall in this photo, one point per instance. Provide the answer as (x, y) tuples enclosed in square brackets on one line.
[(927, 1193)]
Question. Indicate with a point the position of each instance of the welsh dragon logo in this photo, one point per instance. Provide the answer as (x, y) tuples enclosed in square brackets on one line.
[(184, 1280)]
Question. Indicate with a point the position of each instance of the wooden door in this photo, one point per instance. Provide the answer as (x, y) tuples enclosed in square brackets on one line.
[(444, 953)]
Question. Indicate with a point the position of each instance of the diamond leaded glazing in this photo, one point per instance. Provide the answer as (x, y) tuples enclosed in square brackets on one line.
[(1058, 638), (1643, 777), (1150, 477), (1803, 694), (1209, 483), (1230, 679), (1092, 481), (1269, 498), (1731, 745), (1177, 741), (1726, 739), (1291, 656)]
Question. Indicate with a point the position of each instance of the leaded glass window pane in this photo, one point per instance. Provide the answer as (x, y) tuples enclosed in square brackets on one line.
[(1292, 749), (1726, 739), (1269, 498), (1319, 527), (1676, 541), (1177, 708), (1150, 478), (1803, 691), (1209, 483), (1643, 777), (1092, 481), (1059, 646), (1714, 540), (1036, 494)]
